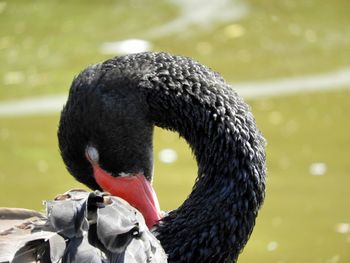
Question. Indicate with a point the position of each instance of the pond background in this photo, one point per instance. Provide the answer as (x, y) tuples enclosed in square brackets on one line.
[(255, 44)]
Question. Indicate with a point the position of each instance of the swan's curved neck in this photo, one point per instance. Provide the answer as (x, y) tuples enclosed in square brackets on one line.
[(135, 92), (216, 220)]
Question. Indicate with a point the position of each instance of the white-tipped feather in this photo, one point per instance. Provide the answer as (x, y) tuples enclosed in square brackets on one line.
[(73, 220)]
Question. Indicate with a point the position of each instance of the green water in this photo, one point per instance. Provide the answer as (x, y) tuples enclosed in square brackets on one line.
[(305, 218)]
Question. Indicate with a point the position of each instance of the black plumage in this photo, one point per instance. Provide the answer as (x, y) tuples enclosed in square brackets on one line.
[(114, 106)]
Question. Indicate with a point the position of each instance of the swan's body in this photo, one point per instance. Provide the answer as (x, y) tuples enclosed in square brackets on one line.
[(113, 107)]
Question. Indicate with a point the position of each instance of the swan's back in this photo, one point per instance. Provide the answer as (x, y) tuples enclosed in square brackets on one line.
[(79, 227)]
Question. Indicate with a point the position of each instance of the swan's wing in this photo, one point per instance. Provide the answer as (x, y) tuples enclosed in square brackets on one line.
[(80, 227), (19, 244), (122, 231)]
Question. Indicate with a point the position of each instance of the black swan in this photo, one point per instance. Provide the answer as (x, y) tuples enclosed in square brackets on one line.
[(105, 138)]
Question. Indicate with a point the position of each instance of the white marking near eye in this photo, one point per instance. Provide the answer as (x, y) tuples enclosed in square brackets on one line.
[(122, 174), (92, 154)]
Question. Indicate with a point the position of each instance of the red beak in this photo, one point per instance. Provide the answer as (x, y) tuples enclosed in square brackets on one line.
[(135, 189)]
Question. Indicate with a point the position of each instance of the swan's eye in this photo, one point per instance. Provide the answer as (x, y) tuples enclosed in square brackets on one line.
[(92, 154)]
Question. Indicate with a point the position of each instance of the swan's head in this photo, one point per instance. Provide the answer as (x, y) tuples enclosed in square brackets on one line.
[(105, 139)]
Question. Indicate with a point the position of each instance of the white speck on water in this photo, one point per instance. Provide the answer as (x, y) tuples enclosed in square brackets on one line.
[(5, 42), (204, 48), (275, 18), (244, 55), (2, 6), (295, 29), (343, 228), (126, 46), (284, 163), (4, 134), (310, 35), (318, 169), (234, 31), (334, 259), (272, 246), (12, 55), (275, 117), (42, 166), (43, 52), (167, 155), (291, 127), (277, 221), (13, 77)]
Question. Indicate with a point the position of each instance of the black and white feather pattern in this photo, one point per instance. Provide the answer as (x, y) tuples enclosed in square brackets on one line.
[(79, 227)]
